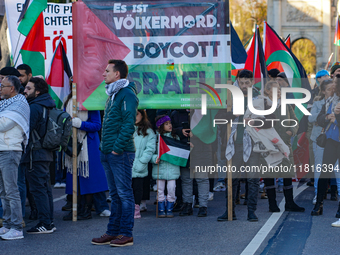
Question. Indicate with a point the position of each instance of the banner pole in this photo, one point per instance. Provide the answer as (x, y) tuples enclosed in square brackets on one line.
[(157, 190), (74, 148), (229, 163), (74, 156)]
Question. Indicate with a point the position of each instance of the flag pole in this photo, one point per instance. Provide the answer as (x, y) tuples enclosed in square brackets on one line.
[(74, 149), (16, 47), (229, 162), (159, 136)]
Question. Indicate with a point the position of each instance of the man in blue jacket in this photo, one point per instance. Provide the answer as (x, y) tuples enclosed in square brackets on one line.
[(37, 160), (118, 153)]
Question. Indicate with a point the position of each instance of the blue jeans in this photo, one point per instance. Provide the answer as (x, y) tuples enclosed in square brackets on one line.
[(99, 201), (22, 187), (9, 192), (118, 169), (1, 210)]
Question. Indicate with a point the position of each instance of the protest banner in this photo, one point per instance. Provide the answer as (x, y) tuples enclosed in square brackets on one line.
[(171, 47), (57, 20)]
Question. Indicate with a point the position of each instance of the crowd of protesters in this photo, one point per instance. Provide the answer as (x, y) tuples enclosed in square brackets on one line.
[(125, 159)]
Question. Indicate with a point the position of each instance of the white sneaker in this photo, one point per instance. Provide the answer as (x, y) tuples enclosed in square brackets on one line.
[(3, 231), (105, 213), (336, 224), (314, 200), (13, 234), (57, 185), (219, 187), (62, 185), (211, 196)]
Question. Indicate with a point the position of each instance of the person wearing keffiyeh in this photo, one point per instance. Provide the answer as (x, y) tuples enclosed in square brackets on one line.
[(14, 132)]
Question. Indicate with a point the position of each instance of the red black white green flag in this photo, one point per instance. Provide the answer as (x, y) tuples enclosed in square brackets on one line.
[(277, 50), (337, 33), (58, 76), (277, 65), (256, 62), (173, 151), (33, 50)]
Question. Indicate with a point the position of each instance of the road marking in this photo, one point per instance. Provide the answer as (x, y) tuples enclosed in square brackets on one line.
[(270, 223), (59, 198)]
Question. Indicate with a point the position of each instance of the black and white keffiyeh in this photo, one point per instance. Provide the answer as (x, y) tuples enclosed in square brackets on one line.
[(17, 109), (113, 88)]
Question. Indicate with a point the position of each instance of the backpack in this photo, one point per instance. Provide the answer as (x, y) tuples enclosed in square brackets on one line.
[(58, 130)]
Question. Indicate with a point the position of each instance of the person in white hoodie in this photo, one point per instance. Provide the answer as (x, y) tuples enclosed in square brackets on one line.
[(14, 132)]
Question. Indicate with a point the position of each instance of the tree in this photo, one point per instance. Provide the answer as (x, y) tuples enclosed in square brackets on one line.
[(305, 51), (244, 14)]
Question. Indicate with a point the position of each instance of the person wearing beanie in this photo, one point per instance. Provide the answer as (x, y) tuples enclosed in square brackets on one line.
[(319, 78), (335, 69), (7, 71)]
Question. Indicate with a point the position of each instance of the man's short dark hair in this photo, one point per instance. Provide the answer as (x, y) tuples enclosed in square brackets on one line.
[(120, 66), (25, 67), (245, 74), (273, 72), (40, 85), (15, 82), (8, 70)]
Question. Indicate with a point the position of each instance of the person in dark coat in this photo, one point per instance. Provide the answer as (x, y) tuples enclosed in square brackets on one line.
[(37, 162)]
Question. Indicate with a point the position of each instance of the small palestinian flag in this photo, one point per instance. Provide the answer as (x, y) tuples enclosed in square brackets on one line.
[(337, 33), (173, 151), (256, 62), (58, 76)]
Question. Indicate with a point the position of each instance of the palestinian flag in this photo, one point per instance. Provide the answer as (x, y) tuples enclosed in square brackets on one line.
[(202, 125), (277, 50), (58, 76), (173, 151), (28, 18), (33, 50), (238, 53), (256, 62), (337, 33), (277, 65)]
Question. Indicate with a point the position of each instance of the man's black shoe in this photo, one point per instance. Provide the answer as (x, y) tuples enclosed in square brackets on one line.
[(202, 212), (187, 210), (41, 228), (224, 217), (178, 207), (252, 216)]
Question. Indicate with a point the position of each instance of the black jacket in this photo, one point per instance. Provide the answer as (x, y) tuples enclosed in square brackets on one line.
[(38, 123)]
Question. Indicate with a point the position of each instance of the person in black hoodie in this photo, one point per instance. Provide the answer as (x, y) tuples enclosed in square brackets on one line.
[(37, 161)]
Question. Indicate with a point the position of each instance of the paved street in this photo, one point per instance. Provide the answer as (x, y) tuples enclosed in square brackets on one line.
[(292, 233)]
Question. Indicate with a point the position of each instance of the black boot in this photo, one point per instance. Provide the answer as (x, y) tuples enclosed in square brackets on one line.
[(252, 216), (178, 206), (68, 205), (333, 192), (290, 205), (318, 209), (86, 213), (187, 210), (224, 216), (337, 215), (271, 193)]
